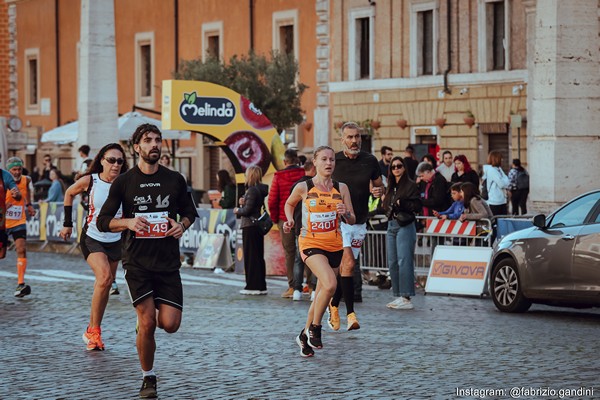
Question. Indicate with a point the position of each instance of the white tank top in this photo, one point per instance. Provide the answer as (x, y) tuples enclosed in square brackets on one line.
[(98, 195)]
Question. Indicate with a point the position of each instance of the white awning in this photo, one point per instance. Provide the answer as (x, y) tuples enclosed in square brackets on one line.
[(127, 124)]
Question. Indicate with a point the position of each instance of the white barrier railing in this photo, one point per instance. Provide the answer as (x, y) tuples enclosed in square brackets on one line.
[(431, 232)]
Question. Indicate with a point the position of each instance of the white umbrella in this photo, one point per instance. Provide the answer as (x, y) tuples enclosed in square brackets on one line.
[(62, 134), (127, 124)]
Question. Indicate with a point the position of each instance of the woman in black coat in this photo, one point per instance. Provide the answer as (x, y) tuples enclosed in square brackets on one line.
[(464, 172), (253, 240)]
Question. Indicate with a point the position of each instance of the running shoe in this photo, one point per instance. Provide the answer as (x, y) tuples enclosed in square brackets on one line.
[(288, 293), (401, 303), (148, 389), (312, 296), (352, 322), (305, 349), (114, 289), (334, 317), (92, 339), (22, 290), (314, 336), (297, 295)]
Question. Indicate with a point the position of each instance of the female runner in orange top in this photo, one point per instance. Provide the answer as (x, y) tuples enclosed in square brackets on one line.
[(324, 203)]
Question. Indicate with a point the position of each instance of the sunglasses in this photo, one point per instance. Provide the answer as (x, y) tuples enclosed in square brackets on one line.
[(47, 159), (397, 166), (112, 160)]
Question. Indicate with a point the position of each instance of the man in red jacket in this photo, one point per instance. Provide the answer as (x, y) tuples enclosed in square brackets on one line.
[(278, 195)]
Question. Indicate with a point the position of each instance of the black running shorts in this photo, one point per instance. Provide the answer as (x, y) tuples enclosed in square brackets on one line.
[(164, 287), (334, 257), (89, 245), (18, 232)]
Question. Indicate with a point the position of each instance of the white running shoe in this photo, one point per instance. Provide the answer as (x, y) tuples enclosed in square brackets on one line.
[(401, 303), (297, 296)]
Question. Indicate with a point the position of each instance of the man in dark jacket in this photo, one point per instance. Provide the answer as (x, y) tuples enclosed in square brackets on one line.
[(436, 194), (280, 191)]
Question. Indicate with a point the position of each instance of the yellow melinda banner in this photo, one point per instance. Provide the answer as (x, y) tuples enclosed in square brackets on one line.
[(246, 134)]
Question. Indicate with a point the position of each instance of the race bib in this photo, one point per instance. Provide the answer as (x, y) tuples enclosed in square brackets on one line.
[(159, 225), (14, 212), (323, 222)]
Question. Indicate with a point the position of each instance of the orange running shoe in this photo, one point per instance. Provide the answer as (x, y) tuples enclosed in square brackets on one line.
[(92, 339), (352, 322), (334, 317)]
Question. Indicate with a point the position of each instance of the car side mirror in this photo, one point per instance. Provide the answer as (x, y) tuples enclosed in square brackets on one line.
[(540, 221)]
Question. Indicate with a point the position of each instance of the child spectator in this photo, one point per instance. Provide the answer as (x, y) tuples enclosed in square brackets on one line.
[(457, 208)]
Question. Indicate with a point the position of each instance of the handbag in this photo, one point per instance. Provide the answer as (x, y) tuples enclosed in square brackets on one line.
[(404, 218), (264, 222)]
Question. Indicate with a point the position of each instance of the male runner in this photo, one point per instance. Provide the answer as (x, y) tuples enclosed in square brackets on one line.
[(17, 203), (152, 197), (359, 170)]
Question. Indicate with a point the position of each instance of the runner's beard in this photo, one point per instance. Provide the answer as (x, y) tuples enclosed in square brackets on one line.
[(352, 151), (148, 158)]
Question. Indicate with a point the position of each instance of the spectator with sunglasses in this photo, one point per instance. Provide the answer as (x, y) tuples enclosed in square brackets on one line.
[(101, 250), (402, 201)]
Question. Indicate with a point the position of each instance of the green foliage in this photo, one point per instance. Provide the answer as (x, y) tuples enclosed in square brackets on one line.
[(269, 83)]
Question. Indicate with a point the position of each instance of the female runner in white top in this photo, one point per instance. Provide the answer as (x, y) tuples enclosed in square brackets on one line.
[(102, 250)]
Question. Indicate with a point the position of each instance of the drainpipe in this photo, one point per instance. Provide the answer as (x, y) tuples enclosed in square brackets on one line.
[(57, 61), (449, 38), (251, 24), (176, 25)]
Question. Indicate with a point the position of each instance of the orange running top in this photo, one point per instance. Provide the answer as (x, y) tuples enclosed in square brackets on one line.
[(320, 221)]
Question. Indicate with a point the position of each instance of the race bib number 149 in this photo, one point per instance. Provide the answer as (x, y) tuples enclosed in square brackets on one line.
[(159, 225)]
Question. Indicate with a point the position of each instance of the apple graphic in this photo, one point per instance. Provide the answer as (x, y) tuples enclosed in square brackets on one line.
[(253, 115), (249, 149)]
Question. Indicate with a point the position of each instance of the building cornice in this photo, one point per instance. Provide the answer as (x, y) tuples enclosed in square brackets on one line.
[(492, 77)]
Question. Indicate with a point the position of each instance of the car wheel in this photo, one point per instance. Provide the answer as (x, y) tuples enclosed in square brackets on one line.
[(505, 285)]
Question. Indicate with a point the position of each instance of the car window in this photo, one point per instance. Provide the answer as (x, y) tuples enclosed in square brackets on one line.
[(575, 212)]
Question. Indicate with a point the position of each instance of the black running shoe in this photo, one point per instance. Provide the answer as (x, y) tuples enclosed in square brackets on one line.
[(314, 336), (114, 289), (148, 389), (305, 349), (22, 290)]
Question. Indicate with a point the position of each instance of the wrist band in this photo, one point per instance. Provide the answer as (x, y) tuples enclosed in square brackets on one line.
[(182, 226), (68, 222)]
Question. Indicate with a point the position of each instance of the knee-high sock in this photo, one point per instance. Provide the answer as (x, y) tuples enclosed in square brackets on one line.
[(337, 296), (348, 291), (21, 267)]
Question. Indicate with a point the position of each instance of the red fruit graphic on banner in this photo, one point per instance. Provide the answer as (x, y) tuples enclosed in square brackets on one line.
[(253, 115), (249, 149)]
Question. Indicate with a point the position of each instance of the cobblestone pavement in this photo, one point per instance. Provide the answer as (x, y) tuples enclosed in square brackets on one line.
[(236, 347)]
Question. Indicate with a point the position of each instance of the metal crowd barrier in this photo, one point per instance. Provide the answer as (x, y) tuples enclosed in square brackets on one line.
[(431, 232)]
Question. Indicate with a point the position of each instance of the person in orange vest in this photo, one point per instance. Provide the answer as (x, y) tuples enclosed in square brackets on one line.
[(17, 205)]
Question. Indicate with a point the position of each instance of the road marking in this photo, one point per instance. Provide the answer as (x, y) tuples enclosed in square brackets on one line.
[(59, 275)]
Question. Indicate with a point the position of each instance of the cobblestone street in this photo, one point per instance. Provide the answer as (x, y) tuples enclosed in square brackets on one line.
[(242, 347)]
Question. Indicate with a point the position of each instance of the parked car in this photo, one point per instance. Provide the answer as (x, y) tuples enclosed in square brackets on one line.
[(555, 262)]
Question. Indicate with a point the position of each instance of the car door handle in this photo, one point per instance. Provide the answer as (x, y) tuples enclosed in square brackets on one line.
[(568, 237)]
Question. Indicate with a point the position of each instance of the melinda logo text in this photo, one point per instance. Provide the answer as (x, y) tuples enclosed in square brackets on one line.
[(206, 110)]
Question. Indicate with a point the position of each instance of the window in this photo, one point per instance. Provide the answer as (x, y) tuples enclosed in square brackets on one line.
[(144, 69), (425, 20), (363, 46), (212, 44), (285, 32), (423, 37), (575, 212), (494, 28), (497, 47), (32, 81), (286, 39), (361, 57)]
